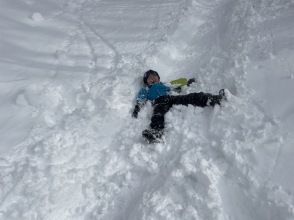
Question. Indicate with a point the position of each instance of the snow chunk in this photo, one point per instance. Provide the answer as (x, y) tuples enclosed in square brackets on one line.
[(37, 17)]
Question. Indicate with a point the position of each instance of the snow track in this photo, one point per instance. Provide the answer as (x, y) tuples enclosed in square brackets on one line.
[(69, 148)]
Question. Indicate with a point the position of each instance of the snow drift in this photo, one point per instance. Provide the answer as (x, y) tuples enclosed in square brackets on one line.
[(69, 74)]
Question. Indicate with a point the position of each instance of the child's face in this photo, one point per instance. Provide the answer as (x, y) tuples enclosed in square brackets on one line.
[(152, 79)]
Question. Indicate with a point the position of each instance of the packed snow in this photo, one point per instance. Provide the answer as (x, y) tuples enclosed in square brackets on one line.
[(69, 74)]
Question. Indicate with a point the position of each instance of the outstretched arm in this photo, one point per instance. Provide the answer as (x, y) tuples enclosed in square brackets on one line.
[(137, 109), (179, 83), (140, 102)]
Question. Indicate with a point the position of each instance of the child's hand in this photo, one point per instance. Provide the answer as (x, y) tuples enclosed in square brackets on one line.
[(135, 114), (136, 111), (190, 81)]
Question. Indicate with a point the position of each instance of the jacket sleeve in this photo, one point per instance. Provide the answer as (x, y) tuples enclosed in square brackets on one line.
[(142, 95), (176, 85), (140, 102), (179, 83)]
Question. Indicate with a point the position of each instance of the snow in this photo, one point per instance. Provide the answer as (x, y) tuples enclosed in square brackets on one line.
[(69, 74)]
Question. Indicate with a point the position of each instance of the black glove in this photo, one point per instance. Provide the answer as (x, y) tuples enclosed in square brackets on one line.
[(136, 111), (190, 81)]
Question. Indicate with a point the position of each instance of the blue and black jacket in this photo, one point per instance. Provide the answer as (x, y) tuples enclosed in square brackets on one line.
[(151, 93)]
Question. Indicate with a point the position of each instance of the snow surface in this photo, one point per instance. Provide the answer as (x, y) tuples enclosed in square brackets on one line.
[(69, 74)]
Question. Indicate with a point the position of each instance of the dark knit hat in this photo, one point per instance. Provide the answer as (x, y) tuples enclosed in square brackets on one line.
[(147, 74)]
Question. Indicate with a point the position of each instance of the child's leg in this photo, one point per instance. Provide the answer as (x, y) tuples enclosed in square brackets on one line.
[(161, 107), (197, 99)]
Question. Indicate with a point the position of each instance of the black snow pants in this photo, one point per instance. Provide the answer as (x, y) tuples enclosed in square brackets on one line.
[(162, 105)]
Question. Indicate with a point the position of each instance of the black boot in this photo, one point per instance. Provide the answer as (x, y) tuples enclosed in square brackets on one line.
[(222, 94), (152, 135), (217, 99)]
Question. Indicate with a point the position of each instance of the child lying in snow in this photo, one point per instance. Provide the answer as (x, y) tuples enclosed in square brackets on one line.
[(159, 94)]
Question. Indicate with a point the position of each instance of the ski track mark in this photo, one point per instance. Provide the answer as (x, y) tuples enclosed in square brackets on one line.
[(117, 56)]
